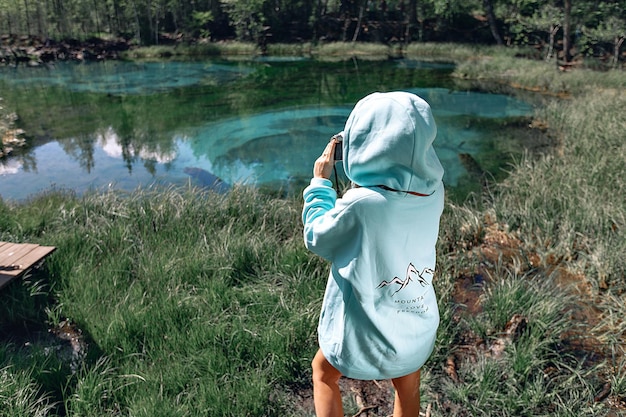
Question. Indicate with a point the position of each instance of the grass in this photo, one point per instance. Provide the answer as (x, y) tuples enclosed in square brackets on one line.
[(537, 75), (194, 50), (289, 49), (187, 299), (330, 50), (19, 396), (560, 237), (189, 303), (459, 53), (430, 51), (346, 50)]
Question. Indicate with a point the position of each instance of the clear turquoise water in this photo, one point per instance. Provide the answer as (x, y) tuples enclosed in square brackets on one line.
[(125, 125)]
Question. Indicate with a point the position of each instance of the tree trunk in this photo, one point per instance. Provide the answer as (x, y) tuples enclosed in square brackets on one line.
[(320, 10), (411, 20), (346, 16), (616, 46), (359, 21), (109, 17), (149, 17), (95, 11), (7, 18), (58, 13), (27, 17), (553, 31), (567, 14), (491, 18), (137, 23), (40, 22)]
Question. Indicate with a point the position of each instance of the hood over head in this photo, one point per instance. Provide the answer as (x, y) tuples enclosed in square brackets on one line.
[(388, 141)]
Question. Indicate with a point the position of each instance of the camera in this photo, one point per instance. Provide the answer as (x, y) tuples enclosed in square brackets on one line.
[(338, 147)]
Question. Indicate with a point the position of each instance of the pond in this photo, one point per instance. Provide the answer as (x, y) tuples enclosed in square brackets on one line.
[(262, 122)]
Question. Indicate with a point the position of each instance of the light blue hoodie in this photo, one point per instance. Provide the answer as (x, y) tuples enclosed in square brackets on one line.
[(379, 315)]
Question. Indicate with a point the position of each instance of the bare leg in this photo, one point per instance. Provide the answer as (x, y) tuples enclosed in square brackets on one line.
[(326, 394), (407, 401)]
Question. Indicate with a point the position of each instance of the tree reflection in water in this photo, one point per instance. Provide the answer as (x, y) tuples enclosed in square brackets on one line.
[(124, 125)]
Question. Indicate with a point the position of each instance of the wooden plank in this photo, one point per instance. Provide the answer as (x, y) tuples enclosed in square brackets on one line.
[(8, 248), (17, 258), (12, 255), (24, 259)]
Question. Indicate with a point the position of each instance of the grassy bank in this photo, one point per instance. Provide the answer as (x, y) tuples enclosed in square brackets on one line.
[(329, 50), (175, 303)]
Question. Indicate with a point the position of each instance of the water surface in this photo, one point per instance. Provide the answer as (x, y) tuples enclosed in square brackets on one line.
[(123, 125)]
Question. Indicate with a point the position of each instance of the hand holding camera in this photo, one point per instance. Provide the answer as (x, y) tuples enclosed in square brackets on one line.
[(323, 167)]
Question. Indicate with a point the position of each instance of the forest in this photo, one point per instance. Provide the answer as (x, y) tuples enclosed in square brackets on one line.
[(565, 29)]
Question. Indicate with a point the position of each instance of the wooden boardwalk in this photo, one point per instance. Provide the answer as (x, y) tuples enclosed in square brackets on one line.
[(17, 258)]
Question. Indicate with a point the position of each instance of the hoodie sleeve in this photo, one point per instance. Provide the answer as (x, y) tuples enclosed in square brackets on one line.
[(326, 227)]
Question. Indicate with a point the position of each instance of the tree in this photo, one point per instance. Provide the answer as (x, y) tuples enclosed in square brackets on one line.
[(567, 31), (200, 23), (411, 19), (491, 18), (27, 16), (292, 19), (362, 5), (511, 21), (548, 18), (613, 29), (247, 18)]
